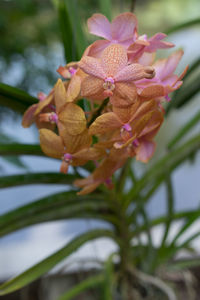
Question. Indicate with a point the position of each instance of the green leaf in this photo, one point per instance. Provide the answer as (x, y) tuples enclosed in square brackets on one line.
[(181, 264), (77, 26), (167, 164), (66, 30), (36, 178), (60, 206), (52, 260), (184, 130), (84, 285), (20, 149), (14, 160), (163, 219), (109, 278), (105, 8), (14, 98), (184, 95), (184, 25), (11, 159), (170, 208), (187, 224)]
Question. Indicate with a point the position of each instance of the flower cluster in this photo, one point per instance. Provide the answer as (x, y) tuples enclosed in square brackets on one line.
[(124, 88)]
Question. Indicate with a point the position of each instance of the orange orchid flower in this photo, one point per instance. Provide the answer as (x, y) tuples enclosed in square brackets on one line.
[(111, 75)]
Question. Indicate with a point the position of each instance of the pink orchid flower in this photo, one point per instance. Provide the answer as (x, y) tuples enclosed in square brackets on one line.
[(122, 30), (143, 44), (165, 81), (111, 75)]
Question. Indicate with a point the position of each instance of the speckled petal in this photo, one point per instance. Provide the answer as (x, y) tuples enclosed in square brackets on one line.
[(134, 72), (92, 88), (113, 59), (51, 143), (104, 123), (60, 95), (127, 91), (92, 66), (72, 118), (75, 143), (74, 88)]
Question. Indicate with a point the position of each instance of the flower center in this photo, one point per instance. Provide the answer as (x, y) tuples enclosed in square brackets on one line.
[(72, 71), (67, 157), (53, 118), (109, 84)]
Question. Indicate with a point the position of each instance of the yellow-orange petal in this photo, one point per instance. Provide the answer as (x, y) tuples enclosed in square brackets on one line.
[(75, 143), (126, 90), (51, 143), (92, 88), (72, 118), (86, 154), (104, 123), (59, 95), (125, 113), (28, 117), (44, 103), (74, 88), (152, 91)]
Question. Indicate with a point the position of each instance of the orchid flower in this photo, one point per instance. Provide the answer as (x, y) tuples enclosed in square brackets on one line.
[(122, 31), (143, 44), (165, 81), (111, 75)]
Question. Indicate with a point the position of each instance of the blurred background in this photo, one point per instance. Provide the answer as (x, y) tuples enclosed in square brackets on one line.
[(31, 50)]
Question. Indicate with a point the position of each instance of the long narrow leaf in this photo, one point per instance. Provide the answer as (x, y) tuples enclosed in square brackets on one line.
[(77, 27), (163, 219), (184, 95), (61, 206), (105, 8), (84, 285), (66, 30), (183, 25), (36, 178), (170, 208), (20, 149), (52, 260), (15, 98), (184, 130), (167, 164)]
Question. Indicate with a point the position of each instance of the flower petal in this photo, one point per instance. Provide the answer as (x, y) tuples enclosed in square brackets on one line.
[(74, 88), (72, 118), (92, 66), (44, 103), (106, 122), (28, 117), (126, 90), (75, 143), (113, 59), (92, 88), (134, 72), (92, 153), (145, 151), (51, 143), (124, 26), (60, 95), (96, 49), (152, 91), (156, 43), (166, 67), (99, 25)]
